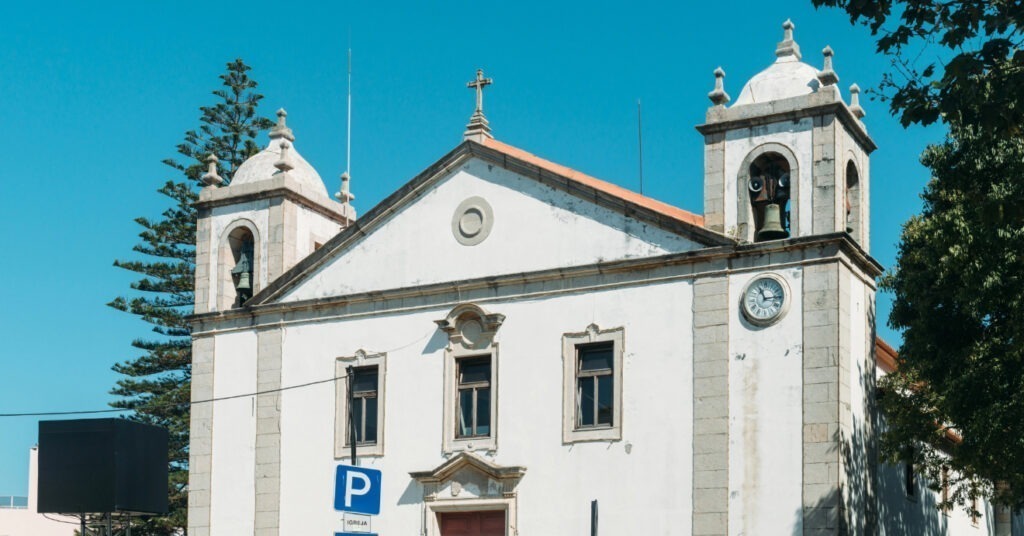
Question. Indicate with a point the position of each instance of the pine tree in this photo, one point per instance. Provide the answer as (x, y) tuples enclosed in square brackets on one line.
[(156, 385)]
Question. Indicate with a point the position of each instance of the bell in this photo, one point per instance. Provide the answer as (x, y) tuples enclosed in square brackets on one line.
[(244, 285), (772, 228), (242, 274)]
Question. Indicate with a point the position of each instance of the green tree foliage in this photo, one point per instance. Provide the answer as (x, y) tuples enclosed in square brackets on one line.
[(960, 61), (155, 385), (959, 299)]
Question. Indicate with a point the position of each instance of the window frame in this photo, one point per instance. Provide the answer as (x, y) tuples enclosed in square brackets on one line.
[(572, 430), (361, 360), (471, 333)]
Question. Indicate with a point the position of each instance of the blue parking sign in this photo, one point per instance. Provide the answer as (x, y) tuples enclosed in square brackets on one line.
[(357, 489)]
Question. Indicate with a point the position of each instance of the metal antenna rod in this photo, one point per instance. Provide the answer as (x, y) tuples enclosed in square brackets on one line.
[(348, 128), (640, 138)]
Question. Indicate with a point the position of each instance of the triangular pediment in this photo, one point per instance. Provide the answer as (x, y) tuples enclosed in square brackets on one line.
[(468, 476), (486, 210)]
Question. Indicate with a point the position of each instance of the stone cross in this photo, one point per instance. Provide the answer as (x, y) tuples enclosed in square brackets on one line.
[(478, 129), (479, 84)]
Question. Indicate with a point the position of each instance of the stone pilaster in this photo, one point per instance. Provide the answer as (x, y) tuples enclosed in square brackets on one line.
[(710, 406), (824, 200), (827, 425), (714, 182), (203, 277), (268, 432), (276, 239), (200, 438)]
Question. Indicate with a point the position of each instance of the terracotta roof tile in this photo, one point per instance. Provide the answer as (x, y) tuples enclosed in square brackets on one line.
[(651, 204)]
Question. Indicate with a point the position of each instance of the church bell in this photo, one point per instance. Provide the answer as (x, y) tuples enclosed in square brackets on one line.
[(772, 228), (242, 275)]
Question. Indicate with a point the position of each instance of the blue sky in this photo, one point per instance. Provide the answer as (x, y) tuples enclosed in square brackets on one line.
[(93, 97)]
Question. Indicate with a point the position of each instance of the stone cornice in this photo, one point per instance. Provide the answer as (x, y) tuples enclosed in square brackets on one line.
[(280, 185), (693, 264), (824, 102)]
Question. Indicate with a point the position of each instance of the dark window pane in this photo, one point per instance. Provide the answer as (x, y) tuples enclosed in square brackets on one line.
[(365, 380), (475, 370), (585, 396), (465, 413), (596, 357), (604, 399), (371, 420), (483, 411), (357, 417)]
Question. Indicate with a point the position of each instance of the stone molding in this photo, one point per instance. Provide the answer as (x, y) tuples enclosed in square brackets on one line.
[(471, 333), (688, 265), (279, 186), (825, 101)]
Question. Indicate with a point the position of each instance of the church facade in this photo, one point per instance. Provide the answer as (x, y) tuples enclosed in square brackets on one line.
[(507, 340)]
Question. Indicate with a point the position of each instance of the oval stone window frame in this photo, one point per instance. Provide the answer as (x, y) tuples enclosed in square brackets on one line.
[(472, 221)]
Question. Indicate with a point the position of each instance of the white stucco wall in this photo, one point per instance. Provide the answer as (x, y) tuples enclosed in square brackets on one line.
[(642, 481), (232, 502), (421, 248), (765, 416), (796, 135)]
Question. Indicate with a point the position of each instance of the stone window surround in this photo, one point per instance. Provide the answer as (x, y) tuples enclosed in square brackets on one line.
[(471, 331), (744, 212), (225, 262), (570, 341), (361, 358)]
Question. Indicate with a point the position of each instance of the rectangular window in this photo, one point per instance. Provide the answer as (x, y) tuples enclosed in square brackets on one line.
[(595, 376), (364, 405), (367, 388), (592, 376), (474, 397)]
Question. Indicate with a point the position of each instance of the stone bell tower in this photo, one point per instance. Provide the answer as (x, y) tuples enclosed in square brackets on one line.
[(274, 213), (790, 157)]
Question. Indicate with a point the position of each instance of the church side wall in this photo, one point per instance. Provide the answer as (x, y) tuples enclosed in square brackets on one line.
[(234, 448), (643, 481)]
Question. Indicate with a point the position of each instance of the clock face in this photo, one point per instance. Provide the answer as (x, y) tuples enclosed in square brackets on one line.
[(764, 300)]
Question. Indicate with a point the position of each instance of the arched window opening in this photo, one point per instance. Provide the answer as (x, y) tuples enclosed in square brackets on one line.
[(769, 188), (851, 195), (243, 248)]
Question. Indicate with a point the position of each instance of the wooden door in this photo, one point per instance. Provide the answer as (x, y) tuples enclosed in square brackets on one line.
[(482, 523)]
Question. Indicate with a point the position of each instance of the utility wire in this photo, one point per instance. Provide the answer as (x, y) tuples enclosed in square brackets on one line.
[(209, 400), (172, 405)]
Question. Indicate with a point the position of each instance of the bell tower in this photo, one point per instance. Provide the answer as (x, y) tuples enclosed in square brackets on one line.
[(790, 157), (274, 213)]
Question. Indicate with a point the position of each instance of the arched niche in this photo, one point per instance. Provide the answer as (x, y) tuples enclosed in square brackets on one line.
[(241, 236), (746, 220), (853, 201)]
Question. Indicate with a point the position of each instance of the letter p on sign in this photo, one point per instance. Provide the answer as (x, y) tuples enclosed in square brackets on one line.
[(357, 489)]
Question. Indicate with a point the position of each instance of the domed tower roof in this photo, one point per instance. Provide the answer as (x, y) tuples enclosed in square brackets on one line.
[(787, 77), (265, 164)]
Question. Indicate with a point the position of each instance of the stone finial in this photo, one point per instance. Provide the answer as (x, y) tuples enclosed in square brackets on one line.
[(211, 178), (284, 164), (718, 96), (787, 47), (478, 128), (345, 194), (827, 76), (855, 108), (281, 129)]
